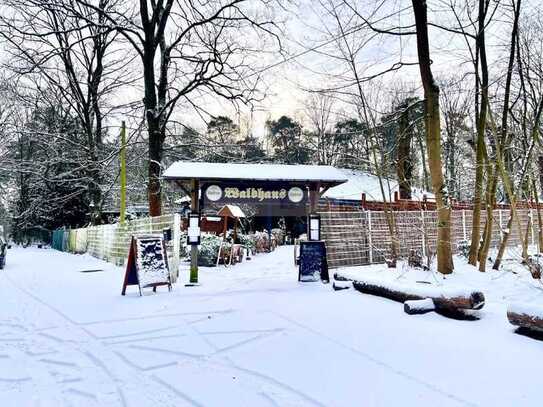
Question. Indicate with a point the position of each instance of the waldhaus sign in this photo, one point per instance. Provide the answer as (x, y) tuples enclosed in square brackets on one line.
[(266, 198)]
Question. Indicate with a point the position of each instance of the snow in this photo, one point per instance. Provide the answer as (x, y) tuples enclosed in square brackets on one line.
[(426, 304), (260, 172), (420, 289), (359, 182), (232, 210), (252, 335)]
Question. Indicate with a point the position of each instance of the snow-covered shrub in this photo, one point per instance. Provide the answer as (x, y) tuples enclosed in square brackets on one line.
[(279, 235), (463, 248), (262, 242), (209, 250), (247, 241), (535, 265), (415, 259)]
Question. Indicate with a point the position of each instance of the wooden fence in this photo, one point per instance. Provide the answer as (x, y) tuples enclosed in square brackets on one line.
[(111, 242), (362, 237)]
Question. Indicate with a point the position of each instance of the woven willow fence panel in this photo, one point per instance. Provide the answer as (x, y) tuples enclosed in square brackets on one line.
[(359, 238), (111, 242)]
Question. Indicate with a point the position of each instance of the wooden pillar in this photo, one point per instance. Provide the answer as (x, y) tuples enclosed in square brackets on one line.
[(314, 195), (194, 207)]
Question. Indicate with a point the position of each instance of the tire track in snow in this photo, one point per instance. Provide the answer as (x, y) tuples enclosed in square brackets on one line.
[(256, 375), (379, 362), (92, 357)]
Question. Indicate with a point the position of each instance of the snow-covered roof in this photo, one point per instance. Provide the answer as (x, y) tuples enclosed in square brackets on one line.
[(231, 210), (255, 172), (359, 182)]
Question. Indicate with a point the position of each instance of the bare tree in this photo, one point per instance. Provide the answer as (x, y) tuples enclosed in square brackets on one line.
[(455, 109), (187, 50), (433, 140), (50, 48), (318, 109)]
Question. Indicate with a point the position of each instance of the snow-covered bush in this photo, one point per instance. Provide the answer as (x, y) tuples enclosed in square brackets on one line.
[(415, 259), (535, 265), (279, 235), (209, 250), (463, 248), (263, 243), (247, 241)]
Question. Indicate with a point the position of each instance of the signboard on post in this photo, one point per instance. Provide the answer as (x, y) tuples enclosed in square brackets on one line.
[(313, 265), (147, 264), (283, 199), (193, 229)]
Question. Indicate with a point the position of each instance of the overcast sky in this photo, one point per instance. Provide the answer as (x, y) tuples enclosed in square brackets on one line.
[(307, 26), (309, 59)]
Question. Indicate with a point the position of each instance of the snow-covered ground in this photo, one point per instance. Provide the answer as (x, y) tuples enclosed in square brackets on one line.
[(251, 335)]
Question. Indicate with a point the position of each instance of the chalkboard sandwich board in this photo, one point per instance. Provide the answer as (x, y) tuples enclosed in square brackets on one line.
[(313, 265), (147, 264)]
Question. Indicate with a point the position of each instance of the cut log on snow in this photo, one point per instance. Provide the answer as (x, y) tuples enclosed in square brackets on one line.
[(415, 307), (342, 285), (526, 316), (339, 277), (443, 297)]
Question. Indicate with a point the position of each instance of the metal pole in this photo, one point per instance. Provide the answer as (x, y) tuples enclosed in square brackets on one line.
[(123, 173)]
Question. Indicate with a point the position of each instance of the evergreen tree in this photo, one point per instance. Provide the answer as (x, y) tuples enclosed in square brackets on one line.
[(286, 138)]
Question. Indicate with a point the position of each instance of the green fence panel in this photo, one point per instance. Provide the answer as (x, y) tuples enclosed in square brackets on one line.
[(59, 242)]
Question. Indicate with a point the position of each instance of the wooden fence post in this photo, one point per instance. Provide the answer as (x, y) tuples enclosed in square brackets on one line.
[(464, 225), (423, 229), (531, 220), (370, 243)]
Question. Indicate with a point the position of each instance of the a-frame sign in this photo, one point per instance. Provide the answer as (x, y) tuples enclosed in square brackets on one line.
[(147, 264)]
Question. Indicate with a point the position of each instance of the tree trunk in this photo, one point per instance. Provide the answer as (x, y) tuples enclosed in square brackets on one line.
[(490, 204), (503, 243), (154, 189), (527, 237), (539, 218), (417, 307), (404, 165), (480, 144), (501, 142), (153, 114), (425, 182), (540, 170), (443, 298), (525, 317), (433, 141)]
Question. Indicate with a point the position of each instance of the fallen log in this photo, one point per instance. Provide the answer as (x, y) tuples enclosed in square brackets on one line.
[(342, 285), (526, 316), (443, 297), (339, 277), (416, 307)]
